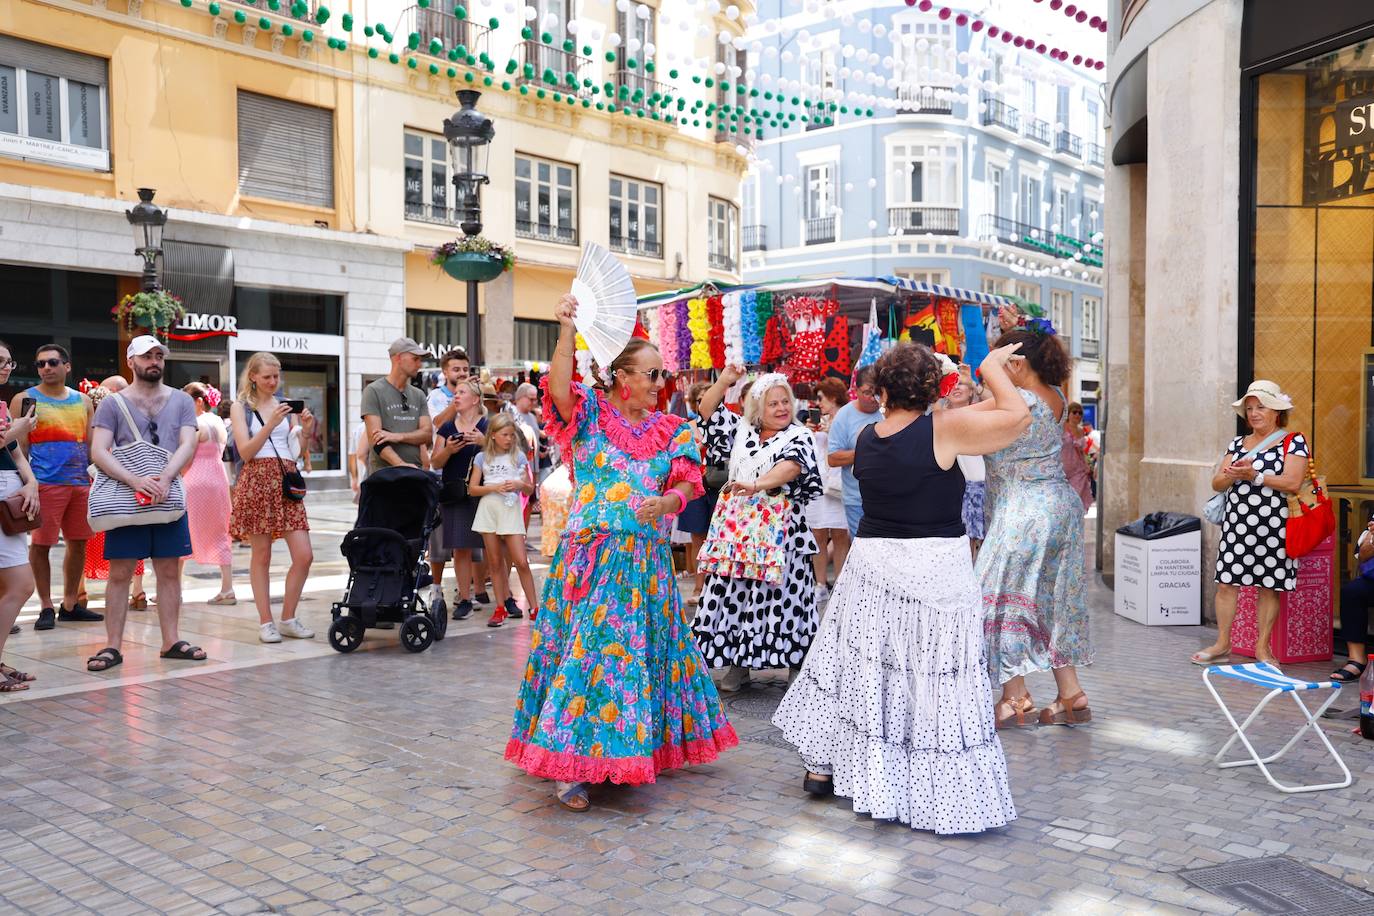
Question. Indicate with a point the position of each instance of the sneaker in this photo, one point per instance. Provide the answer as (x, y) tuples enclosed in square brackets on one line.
[(481, 598), (47, 619), (462, 610), (822, 594), (513, 610), (498, 617), (295, 629), (268, 632), (78, 614)]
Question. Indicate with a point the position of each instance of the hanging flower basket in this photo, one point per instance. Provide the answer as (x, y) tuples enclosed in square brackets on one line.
[(149, 312), (473, 258)]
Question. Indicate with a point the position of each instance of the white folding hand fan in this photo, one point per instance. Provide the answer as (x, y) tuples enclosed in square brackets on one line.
[(606, 303)]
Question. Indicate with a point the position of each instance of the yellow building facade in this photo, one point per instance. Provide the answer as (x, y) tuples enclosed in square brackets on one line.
[(307, 182)]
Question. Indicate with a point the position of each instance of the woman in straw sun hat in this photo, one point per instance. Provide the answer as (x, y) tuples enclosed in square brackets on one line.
[(1257, 473)]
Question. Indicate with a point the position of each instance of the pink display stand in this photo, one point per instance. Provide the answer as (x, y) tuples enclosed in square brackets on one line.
[(1303, 630)]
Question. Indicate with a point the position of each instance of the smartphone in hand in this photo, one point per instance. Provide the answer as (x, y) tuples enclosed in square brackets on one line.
[(26, 406), (297, 404)]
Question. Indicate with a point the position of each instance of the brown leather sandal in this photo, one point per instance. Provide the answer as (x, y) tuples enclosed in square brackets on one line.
[(1021, 707), (1067, 715), (139, 602)]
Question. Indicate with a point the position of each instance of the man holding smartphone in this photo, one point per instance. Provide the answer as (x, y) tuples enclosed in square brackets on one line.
[(57, 447), (455, 368)]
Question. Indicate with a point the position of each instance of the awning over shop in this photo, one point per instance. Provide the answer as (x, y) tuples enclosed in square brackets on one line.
[(851, 292)]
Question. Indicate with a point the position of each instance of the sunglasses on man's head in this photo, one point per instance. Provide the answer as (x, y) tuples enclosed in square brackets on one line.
[(45, 363)]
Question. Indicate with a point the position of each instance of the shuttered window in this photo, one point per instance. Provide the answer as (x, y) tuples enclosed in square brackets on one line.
[(53, 104), (286, 150)]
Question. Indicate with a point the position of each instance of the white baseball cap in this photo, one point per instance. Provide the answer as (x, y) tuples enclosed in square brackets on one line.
[(142, 344)]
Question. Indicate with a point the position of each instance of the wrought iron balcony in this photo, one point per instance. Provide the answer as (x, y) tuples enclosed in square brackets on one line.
[(1069, 144), (720, 261), (545, 232), (1096, 156), (311, 8), (635, 90), (1033, 238), (922, 100), (755, 238), (463, 36), (1038, 130), (431, 213), (998, 113), (820, 230), (640, 247), (917, 219), (537, 61)]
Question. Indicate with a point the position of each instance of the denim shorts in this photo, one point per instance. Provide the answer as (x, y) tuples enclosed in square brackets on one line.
[(143, 542)]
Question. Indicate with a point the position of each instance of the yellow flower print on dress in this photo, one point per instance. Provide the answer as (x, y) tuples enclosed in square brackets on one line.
[(615, 650), (577, 707), (618, 492), (609, 713), (600, 459), (586, 494)]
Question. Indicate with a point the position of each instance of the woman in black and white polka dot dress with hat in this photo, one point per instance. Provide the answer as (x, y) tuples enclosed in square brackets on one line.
[(1254, 527)]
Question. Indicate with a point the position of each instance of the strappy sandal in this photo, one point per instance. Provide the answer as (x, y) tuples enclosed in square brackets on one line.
[(183, 651), (11, 685), (23, 676), (1067, 715), (106, 658), (574, 797), (1342, 675), (1021, 707), (139, 602), (1203, 657)]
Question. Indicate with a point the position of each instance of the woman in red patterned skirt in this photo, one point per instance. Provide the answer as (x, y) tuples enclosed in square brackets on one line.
[(268, 442)]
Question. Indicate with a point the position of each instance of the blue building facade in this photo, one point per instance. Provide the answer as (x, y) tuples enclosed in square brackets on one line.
[(982, 168)]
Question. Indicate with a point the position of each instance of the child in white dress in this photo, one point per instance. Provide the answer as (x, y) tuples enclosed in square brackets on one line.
[(500, 474)]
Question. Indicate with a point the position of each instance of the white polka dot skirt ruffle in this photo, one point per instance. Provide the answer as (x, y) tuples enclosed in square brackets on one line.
[(894, 698)]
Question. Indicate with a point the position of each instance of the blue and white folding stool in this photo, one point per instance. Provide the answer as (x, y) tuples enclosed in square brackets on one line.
[(1263, 674)]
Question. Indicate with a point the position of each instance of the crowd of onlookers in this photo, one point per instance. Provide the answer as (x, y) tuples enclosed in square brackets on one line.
[(178, 475)]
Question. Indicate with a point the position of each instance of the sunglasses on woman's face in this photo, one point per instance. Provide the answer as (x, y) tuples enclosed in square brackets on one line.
[(653, 374)]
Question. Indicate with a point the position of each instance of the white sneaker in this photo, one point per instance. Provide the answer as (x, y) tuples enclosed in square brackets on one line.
[(295, 629), (268, 632), (822, 594)]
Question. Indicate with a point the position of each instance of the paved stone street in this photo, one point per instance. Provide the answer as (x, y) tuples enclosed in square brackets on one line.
[(373, 783)]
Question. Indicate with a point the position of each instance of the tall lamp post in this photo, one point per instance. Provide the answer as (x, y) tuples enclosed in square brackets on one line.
[(147, 220), (469, 134)]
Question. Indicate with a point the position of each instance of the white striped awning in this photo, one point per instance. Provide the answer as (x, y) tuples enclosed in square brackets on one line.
[(949, 292)]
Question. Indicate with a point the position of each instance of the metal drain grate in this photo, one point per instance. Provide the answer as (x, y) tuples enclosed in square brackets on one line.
[(1278, 885)]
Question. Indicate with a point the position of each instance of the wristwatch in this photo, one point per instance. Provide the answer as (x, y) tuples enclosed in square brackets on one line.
[(1259, 479)]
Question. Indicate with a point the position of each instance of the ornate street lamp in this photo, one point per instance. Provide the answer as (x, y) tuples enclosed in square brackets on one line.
[(147, 220), (469, 134)]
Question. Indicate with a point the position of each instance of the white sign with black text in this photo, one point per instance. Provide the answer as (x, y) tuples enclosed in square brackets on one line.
[(1159, 582)]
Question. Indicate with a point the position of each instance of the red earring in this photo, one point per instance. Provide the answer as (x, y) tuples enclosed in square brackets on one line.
[(624, 392)]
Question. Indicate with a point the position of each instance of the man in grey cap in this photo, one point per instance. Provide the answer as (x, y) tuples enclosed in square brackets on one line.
[(396, 413)]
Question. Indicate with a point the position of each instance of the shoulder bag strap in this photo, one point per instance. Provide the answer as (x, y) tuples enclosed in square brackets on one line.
[(124, 408), (1264, 444)]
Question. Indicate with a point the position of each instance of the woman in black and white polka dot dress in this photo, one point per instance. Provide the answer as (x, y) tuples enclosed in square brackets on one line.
[(1254, 527)]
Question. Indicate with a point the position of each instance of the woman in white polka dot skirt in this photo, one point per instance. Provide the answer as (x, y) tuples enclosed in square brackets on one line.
[(1254, 528), (893, 705)]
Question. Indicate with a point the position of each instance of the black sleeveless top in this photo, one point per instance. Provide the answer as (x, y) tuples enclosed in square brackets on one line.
[(906, 494)]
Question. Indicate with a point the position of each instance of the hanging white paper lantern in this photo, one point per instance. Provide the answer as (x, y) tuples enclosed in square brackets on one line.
[(872, 224), (531, 13), (613, 40), (872, 182), (622, 5)]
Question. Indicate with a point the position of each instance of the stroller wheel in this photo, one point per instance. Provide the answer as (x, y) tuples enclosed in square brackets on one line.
[(439, 618), (417, 632), (346, 634)]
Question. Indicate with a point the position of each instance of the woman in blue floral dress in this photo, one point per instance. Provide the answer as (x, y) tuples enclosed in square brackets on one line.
[(1035, 617), (614, 688)]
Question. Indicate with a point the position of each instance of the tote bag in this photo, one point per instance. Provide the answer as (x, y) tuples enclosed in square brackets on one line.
[(113, 503)]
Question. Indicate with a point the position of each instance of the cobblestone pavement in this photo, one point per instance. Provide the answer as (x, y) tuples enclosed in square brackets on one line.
[(373, 783)]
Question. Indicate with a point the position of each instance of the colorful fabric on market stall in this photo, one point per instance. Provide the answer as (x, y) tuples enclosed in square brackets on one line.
[(732, 318), (947, 315), (835, 359), (700, 326), (976, 338), (667, 337), (924, 327), (715, 313), (640, 331), (684, 334), (774, 345), (751, 334)]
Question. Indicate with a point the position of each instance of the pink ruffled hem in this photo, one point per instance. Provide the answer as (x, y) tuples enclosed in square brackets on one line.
[(685, 469), (565, 766)]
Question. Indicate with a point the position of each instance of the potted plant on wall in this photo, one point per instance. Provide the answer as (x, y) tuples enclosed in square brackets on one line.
[(149, 312), (473, 257)]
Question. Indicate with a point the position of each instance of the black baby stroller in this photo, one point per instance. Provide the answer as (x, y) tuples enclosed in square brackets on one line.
[(387, 561)]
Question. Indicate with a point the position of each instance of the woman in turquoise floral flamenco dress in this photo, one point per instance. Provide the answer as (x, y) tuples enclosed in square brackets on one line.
[(615, 688)]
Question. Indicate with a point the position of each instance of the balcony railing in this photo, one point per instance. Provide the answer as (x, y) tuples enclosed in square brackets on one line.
[(1069, 144), (755, 238), (635, 90), (311, 8), (1096, 156), (917, 219), (452, 32), (545, 232), (537, 60), (922, 100), (719, 261), (641, 247), (998, 113), (431, 213), (1033, 238), (820, 230), (1038, 130)]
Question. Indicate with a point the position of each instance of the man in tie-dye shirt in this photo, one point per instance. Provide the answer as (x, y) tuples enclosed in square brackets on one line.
[(58, 452)]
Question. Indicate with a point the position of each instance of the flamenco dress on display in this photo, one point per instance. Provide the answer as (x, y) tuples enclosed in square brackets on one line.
[(614, 687), (894, 699), (1035, 617)]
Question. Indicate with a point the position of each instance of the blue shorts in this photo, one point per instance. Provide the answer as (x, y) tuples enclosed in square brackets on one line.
[(853, 514), (143, 542)]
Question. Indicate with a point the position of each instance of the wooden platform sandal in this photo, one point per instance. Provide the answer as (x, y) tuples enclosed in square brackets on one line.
[(1068, 714), (1022, 711)]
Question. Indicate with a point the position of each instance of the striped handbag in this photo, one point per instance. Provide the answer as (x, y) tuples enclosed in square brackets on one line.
[(114, 504)]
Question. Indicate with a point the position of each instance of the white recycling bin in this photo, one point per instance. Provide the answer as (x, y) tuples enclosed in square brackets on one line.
[(1159, 570)]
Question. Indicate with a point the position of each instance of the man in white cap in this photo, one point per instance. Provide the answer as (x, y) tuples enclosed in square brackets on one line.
[(166, 418)]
